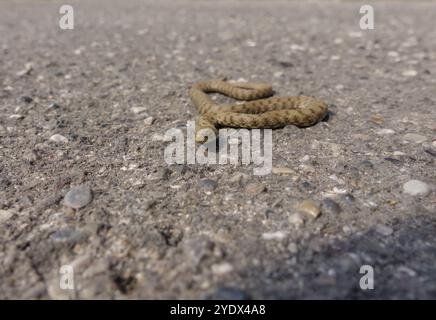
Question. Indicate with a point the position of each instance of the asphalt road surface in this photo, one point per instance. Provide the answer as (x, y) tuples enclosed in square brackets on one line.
[(89, 208)]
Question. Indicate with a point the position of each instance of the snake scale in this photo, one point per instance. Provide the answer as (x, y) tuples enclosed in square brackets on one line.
[(263, 111)]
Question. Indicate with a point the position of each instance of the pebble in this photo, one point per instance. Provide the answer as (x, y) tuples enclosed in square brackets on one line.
[(385, 132), (78, 197), (53, 105), (255, 188), (416, 188), (331, 207), (277, 235), (16, 116), (26, 71), (409, 73), (383, 230), (413, 137), (309, 207), (138, 110), (58, 138), (250, 43), (366, 164), (222, 268), (68, 235), (292, 247), (296, 220), (148, 121), (239, 177), (26, 99), (278, 74), (5, 215), (208, 185)]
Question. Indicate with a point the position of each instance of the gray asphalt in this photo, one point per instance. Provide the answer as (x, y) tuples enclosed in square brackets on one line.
[(84, 186)]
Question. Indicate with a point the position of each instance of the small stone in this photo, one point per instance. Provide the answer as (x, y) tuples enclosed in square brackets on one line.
[(5, 215), (148, 121), (366, 164), (385, 132), (222, 268), (296, 220), (78, 197), (53, 105), (26, 99), (68, 235), (208, 185), (384, 230), (278, 74), (409, 73), (309, 207), (26, 71), (416, 188), (250, 43), (413, 137), (239, 177), (398, 153), (292, 247), (58, 138), (16, 116), (255, 188), (406, 270), (138, 110), (330, 206), (282, 171), (278, 235)]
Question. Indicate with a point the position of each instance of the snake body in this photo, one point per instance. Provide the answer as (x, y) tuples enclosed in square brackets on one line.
[(263, 111)]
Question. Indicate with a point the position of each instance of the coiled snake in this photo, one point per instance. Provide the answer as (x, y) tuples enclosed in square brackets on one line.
[(273, 112)]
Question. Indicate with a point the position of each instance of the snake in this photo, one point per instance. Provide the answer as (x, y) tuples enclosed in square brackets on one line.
[(260, 109)]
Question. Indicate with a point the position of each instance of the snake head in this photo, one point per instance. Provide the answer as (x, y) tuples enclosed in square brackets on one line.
[(205, 131)]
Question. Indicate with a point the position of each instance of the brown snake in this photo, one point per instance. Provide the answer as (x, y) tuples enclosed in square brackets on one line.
[(273, 112)]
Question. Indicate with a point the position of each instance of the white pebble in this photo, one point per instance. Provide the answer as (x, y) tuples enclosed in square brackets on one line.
[(416, 188), (5, 215), (222, 268), (138, 110), (385, 131), (149, 121), (278, 235), (413, 137), (409, 73), (58, 138)]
